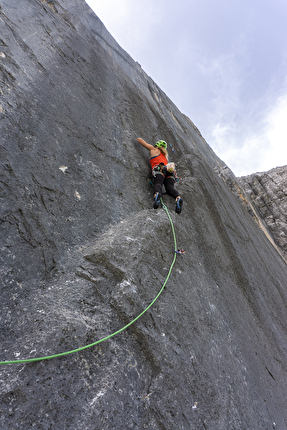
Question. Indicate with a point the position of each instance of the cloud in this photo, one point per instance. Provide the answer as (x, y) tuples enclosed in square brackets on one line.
[(257, 152), (219, 65), (248, 133), (224, 76), (276, 133)]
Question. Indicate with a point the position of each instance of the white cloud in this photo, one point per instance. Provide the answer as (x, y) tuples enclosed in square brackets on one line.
[(276, 133), (225, 78), (258, 152), (224, 85)]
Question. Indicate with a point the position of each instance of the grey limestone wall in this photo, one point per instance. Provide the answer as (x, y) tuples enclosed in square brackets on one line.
[(83, 252)]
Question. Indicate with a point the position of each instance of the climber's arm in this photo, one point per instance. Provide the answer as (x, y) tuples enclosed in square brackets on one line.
[(145, 144)]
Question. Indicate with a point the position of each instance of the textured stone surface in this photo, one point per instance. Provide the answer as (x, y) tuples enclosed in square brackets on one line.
[(83, 253), (268, 193)]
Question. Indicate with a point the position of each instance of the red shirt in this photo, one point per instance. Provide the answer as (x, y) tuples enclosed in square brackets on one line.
[(155, 161)]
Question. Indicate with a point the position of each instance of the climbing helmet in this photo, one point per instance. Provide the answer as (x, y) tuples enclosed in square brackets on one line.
[(161, 144)]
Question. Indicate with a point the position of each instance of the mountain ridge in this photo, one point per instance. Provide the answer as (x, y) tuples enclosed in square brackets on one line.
[(267, 191)]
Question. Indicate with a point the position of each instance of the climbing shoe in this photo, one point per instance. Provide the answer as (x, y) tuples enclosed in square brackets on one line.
[(178, 205), (156, 201)]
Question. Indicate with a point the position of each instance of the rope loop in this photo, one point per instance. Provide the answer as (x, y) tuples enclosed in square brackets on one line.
[(48, 357)]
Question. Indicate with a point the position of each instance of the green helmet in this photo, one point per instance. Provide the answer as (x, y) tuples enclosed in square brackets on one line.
[(161, 144)]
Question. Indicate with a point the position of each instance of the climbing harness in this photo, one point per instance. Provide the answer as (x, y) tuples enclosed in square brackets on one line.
[(158, 170), (30, 360), (179, 251), (169, 171)]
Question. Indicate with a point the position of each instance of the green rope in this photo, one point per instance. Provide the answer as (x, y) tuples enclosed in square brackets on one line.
[(30, 360)]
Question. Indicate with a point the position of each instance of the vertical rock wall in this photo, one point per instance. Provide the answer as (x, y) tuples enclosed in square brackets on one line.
[(83, 252), (268, 192)]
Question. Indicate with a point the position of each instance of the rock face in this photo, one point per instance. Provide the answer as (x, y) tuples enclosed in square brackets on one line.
[(268, 193), (83, 253)]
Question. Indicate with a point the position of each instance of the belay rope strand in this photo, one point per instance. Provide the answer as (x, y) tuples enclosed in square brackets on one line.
[(48, 357)]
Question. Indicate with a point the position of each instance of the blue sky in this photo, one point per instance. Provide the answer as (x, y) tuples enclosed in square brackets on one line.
[(223, 63)]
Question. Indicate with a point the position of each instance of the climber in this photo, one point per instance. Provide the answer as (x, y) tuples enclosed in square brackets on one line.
[(163, 173)]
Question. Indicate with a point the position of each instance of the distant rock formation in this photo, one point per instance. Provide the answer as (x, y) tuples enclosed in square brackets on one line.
[(83, 252), (268, 193)]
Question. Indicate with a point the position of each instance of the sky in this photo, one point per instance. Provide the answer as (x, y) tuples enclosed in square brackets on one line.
[(223, 63)]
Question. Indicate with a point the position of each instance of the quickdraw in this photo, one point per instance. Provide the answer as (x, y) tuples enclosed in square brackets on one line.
[(171, 147)]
